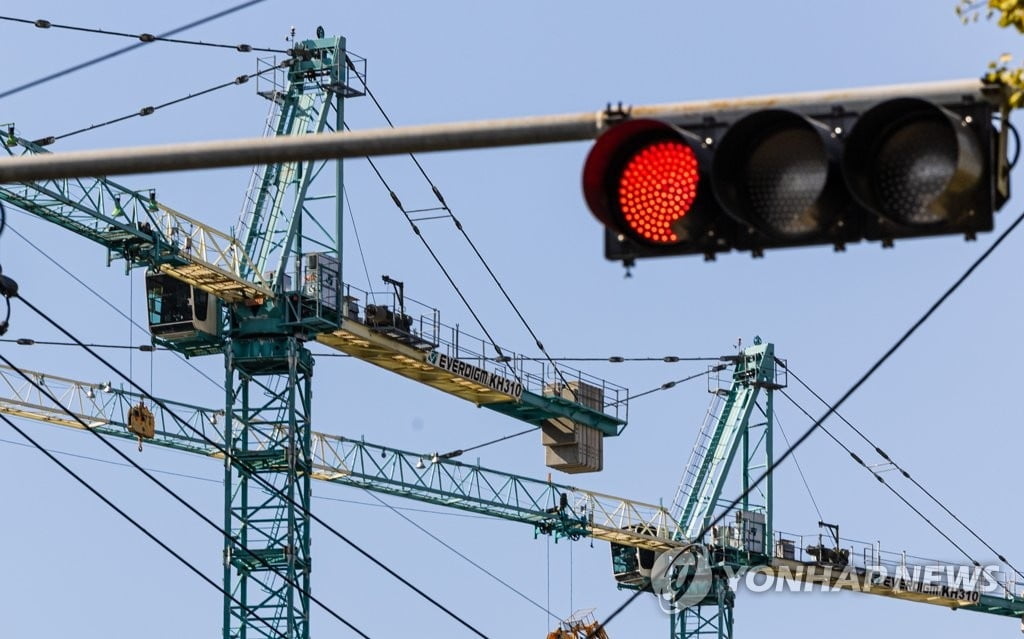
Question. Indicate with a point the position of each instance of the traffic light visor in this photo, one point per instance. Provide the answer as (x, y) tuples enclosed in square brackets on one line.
[(642, 178), (772, 172), (912, 162)]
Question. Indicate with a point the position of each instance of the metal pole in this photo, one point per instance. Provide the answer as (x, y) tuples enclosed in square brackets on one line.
[(432, 137)]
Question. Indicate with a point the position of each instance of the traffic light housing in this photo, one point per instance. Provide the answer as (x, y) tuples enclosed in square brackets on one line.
[(813, 169)]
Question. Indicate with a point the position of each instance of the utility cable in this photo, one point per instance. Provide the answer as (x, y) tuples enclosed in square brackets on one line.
[(211, 480), (670, 385), (881, 479), (907, 474), (832, 408), (144, 38), (257, 477), (81, 283), (461, 451), (132, 47), (181, 500), (150, 110), (472, 245), (796, 462), (437, 260), (136, 524), (490, 574)]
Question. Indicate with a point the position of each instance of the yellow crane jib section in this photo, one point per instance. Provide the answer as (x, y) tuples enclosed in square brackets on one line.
[(214, 259), (415, 344), (410, 360)]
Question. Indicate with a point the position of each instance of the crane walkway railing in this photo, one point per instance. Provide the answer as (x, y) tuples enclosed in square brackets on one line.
[(556, 509)]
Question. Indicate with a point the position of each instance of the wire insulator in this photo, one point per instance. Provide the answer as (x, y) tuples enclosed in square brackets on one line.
[(242, 79), (244, 48), (857, 459), (616, 359), (43, 24), (440, 198), (144, 111), (398, 203), (147, 37)]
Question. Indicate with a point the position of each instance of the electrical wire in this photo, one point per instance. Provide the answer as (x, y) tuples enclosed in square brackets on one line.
[(114, 54), (136, 524), (174, 495), (145, 38), (437, 260), (832, 408), (256, 476), (211, 480), (462, 230), (670, 385), (461, 555), (881, 479), (907, 475), (150, 110)]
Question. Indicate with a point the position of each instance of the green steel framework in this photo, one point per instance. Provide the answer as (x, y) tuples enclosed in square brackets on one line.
[(550, 508), (266, 429), (717, 447)]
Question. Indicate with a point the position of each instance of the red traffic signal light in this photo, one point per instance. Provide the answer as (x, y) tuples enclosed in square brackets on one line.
[(645, 181), (828, 172)]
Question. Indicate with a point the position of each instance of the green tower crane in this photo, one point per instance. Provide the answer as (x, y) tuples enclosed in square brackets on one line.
[(258, 298), (734, 446)]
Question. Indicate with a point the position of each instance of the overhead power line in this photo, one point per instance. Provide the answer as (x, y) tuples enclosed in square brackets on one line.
[(144, 38), (255, 475), (173, 494), (885, 456), (906, 502), (150, 110), (99, 495), (833, 407), (114, 54), (458, 225)]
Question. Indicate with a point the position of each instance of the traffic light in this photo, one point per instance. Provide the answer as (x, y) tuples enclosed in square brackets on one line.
[(800, 170)]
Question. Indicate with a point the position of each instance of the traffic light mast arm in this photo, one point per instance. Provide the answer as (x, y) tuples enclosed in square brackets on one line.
[(436, 137), (136, 227)]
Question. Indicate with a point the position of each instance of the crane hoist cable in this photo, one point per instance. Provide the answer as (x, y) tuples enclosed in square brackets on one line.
[(796, 462), (143, 37), (131, 47), (255, 475), (359, 243), (833, 407), (909, 477), (143, 529)]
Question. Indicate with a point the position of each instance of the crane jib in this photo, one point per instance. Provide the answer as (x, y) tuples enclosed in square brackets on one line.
[(476, 374)]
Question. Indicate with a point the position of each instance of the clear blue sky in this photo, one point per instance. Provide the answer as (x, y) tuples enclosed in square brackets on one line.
[(946, 406)]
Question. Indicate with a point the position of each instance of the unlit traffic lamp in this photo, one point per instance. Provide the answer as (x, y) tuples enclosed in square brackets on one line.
[(818, 170)]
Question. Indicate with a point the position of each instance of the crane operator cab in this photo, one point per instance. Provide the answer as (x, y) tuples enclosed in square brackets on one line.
[(181, 316), (632, 566)]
